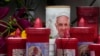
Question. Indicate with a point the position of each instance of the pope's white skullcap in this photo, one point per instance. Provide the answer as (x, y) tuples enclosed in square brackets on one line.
[(63, 14)]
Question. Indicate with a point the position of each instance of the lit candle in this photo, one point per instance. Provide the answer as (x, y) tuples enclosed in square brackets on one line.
[(91, 16), (85, 35), (15, 46), (66, 46), (94, 49), (37, 40)]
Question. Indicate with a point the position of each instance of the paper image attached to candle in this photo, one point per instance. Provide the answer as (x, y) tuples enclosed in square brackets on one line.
[(57, 19), (65, 52), (37, 49), (34, 51), (18, 52), (92, 53), (83, 48)]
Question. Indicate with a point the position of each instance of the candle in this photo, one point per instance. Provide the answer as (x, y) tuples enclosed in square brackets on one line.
[(16, 46), (83, 34), (66, 46), (90, 15), (37, 40), (94, 49)]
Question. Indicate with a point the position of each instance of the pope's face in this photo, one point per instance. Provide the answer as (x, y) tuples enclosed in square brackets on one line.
[(62, 23), (35, 50)]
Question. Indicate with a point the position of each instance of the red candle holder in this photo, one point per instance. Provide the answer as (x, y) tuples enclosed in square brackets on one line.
[(66, 46), (16, 46), (83, 34), (37, 39), (90, 15), (94, 49)]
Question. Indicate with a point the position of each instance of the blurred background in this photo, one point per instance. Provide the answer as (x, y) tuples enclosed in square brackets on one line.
[(39, 6)]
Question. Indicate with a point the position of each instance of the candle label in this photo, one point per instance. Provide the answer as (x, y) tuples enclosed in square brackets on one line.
[(18, 52), (83, 48), (37, 49), (2, 54), (65, 52), (92, 53)]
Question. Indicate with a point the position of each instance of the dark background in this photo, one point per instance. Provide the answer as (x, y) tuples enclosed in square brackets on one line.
[(41, 5)]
